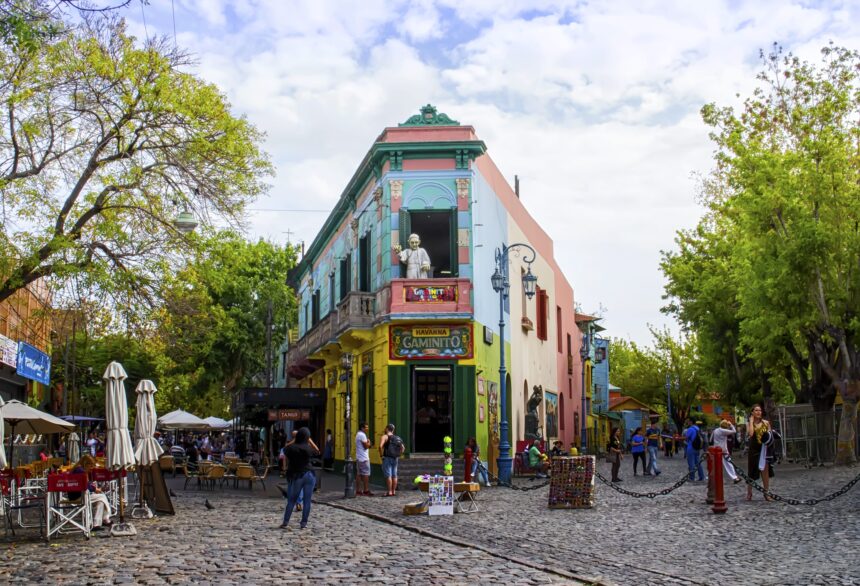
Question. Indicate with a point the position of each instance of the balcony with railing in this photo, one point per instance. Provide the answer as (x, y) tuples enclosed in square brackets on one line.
[(421, 296), (356, 311), (401, 298)]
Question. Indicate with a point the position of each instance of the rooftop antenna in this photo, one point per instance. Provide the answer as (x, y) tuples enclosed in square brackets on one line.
[(517, 185)]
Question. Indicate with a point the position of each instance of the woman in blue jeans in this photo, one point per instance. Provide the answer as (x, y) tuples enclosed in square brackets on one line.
[(300, 475)]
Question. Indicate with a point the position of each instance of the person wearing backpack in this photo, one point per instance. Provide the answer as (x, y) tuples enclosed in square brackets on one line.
[(694, 447), (391, 447)]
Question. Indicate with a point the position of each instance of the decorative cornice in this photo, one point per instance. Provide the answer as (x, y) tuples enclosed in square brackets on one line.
[(429, 117)]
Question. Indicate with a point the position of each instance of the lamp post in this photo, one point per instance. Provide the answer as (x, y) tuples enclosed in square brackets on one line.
[(669, 397), (349, 463), (502, 285), (583, 356)]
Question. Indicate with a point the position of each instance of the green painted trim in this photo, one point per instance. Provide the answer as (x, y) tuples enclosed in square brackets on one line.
[(400, 402), (465, 405), (429, 116)]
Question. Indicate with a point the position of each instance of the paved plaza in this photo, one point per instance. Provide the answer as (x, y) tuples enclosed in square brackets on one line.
[(514, 539)]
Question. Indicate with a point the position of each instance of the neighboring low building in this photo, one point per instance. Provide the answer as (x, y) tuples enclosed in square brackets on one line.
[(25, 344)]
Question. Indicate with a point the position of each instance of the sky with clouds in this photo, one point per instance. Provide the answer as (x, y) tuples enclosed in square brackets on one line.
[(594, 105)]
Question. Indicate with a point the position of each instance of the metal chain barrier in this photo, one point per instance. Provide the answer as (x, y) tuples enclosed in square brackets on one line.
[(789, 500), (511, 485), (683, 480)]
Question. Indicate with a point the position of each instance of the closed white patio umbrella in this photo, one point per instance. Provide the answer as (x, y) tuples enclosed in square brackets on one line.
[(74, 447), (120, 453), (147, 449)]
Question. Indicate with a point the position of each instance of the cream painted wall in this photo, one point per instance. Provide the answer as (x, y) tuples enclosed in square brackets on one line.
[(532, 360)]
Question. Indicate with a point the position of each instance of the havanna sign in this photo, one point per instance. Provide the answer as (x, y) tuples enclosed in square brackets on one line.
[(430, 342)]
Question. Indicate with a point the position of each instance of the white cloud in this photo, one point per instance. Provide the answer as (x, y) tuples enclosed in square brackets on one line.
[(594, 105)]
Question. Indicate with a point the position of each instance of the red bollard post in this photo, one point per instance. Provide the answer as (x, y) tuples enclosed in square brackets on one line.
[(709, 499), (467, 460), (716, 455)]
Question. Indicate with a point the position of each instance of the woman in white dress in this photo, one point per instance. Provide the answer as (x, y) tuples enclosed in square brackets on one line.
[(721, 437)]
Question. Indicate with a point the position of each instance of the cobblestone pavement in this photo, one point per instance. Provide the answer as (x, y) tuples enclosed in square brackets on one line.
[(673, 539), (514, 539), (239, 543)]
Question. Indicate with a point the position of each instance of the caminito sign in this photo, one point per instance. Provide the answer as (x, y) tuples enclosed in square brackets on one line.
[(428, 342)]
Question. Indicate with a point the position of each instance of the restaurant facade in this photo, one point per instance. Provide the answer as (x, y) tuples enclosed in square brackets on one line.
[(424, 336)]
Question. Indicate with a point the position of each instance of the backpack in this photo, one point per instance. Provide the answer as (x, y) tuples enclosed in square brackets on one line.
[(697, 441), (394, 446)]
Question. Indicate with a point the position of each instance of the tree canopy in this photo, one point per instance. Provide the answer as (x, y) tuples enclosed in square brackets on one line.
[(770, 279), (644, 372), (106, 139)]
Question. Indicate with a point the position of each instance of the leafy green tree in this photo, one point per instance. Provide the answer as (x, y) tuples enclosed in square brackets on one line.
[(211, 331), (783, 233), (105, 140), (642, 373)]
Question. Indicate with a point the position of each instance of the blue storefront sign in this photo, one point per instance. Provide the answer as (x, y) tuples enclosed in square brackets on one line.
[(33, 363)]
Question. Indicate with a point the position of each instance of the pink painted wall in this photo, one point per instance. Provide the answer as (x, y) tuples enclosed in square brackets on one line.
[(428, 164), (427, 134)]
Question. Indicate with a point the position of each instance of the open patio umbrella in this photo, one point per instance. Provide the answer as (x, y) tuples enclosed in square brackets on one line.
[(217, 423), (23, 418), (120, 453), (180, 419)]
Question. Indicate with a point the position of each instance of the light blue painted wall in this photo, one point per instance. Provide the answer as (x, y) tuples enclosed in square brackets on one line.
[(489, 231), (600, 378)]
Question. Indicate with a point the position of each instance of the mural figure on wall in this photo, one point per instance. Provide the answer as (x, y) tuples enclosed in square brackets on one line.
[(415, 258), (551, 414)]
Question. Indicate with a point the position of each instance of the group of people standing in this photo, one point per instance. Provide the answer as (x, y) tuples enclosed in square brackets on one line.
[(760, 436)]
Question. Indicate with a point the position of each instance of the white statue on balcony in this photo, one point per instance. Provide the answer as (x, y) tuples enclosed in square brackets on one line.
[(415, 258)]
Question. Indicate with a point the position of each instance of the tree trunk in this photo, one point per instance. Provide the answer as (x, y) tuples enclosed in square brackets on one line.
[(822, 395), (846, 443)]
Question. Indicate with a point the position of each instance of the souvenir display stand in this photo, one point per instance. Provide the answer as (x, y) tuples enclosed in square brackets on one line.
[(572, 483)]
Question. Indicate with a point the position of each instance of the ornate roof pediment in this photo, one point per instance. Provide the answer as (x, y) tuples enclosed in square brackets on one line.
[(429, 117)]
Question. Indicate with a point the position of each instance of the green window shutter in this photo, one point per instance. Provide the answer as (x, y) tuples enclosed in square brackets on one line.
[(405, 229), (455, 253), (400, 403), (371, 403), (465, 405), (362, 399)]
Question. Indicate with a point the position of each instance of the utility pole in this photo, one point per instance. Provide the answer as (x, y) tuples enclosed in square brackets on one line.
[(269, 377)]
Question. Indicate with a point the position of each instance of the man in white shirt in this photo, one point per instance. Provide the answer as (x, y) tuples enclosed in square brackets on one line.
[(92, 444), (362, 457)]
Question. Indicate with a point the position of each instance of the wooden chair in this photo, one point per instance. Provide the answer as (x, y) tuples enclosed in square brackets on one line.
[(167, 464), (213, 475), (261, 478), (244, 473)]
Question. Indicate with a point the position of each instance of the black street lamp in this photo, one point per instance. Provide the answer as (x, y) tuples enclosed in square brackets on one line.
[(501, 285), (349, 462)]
